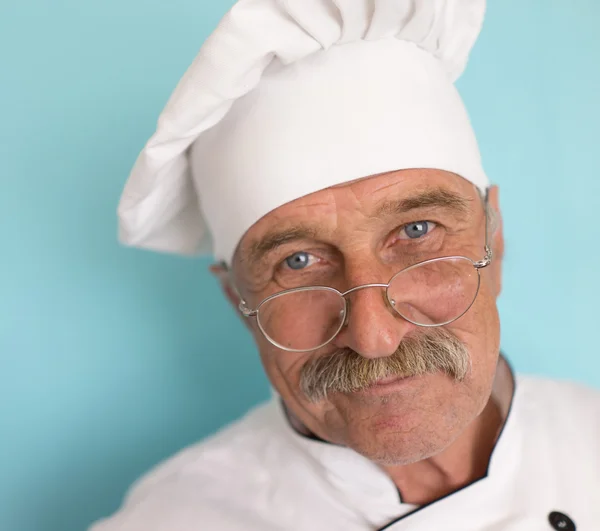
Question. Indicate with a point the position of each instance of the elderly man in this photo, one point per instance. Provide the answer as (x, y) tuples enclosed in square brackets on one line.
[(320, 151)]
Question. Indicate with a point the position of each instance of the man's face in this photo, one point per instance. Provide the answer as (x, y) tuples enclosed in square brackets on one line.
[(351, 235)]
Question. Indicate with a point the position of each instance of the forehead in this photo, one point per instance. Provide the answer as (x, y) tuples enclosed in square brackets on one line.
[(354, 203)]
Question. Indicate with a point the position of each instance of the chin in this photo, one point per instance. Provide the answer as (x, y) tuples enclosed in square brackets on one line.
[(397, 449), (393, 433)]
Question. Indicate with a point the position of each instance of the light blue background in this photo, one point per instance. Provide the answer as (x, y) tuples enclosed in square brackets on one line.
[(112, 359)]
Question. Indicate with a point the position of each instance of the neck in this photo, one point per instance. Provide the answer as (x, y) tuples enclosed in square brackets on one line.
[(466, 459)]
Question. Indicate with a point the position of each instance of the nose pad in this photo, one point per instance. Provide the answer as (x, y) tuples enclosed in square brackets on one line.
[(391, 303), (347, 315)]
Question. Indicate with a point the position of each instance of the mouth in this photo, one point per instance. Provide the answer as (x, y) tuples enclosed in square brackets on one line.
[(389, 384)]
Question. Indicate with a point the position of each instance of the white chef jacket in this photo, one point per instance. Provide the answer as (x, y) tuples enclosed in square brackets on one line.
[(259, 474)]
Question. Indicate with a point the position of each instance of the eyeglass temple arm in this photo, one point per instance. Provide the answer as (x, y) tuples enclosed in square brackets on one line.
[(246, 312), (227, 276), (242, 307), (487, 259)]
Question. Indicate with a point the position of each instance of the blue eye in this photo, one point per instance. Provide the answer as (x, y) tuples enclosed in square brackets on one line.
[(298, 260), (417, 229)]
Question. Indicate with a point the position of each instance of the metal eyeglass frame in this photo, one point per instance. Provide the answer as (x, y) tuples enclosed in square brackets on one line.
[(486, 261)]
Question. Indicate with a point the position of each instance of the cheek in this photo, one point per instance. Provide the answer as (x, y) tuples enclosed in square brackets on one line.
[(479, 329), (282, 367), (283, 371)]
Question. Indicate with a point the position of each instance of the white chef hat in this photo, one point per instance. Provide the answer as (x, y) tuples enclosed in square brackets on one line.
[(288, 97)]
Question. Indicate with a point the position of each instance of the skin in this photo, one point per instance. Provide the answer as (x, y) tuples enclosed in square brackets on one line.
[(431, 434)]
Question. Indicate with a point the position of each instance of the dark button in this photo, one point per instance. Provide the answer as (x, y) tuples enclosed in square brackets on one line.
[(561, 522)]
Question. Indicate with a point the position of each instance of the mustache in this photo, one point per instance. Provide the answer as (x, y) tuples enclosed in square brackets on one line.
[(345, 371)]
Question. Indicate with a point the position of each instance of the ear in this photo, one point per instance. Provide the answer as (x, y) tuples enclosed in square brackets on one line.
[(221, 272), (497, 238)]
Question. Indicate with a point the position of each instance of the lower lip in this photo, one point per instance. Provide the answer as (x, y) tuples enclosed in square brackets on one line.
[(388, 385)]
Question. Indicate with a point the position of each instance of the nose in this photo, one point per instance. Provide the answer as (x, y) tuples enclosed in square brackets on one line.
[(373, 328)]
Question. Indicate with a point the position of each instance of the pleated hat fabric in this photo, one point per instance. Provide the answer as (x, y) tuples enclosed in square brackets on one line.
[(288, 97)]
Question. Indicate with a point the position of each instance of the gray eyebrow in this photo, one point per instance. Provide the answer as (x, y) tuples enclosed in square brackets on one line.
[(438, 197), (259, 249)]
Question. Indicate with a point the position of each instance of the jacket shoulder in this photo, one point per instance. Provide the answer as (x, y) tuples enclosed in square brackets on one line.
[(569, 412), (203, 483)]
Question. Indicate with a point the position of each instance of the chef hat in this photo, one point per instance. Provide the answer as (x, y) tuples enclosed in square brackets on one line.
[(288, 97)]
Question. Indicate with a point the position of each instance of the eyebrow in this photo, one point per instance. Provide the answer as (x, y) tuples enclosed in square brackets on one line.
[(259, 249), (437, 197)]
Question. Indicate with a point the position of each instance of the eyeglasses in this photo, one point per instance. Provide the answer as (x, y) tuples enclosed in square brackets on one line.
[(430, 293)]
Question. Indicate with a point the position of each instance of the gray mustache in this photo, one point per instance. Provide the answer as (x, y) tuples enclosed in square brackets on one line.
[(345, 371)]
